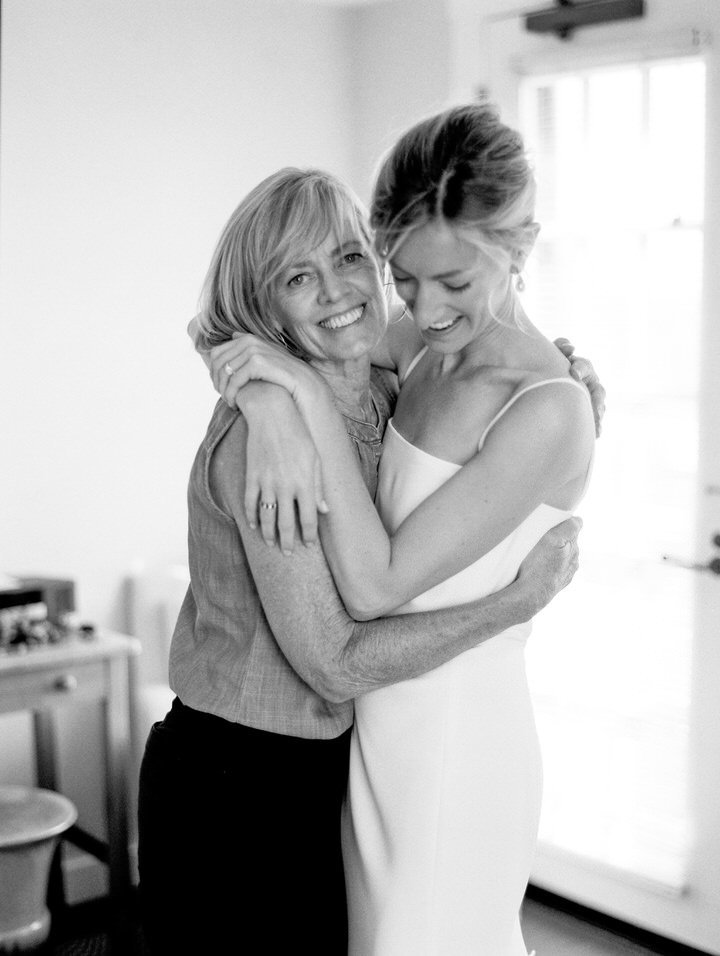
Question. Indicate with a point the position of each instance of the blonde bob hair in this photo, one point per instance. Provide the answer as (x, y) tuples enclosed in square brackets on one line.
[(285, 216)]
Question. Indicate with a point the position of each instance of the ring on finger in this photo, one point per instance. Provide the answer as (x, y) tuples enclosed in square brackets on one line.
[(268, 505), (229, 369)]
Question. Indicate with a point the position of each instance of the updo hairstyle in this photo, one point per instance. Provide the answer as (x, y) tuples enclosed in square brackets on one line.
[(284, 217), (463, 167)]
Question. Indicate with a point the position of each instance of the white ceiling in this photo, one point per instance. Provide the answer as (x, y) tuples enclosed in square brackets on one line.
[(344, 3)]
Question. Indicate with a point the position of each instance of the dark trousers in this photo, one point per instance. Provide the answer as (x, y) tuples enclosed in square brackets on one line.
[(239, 839)]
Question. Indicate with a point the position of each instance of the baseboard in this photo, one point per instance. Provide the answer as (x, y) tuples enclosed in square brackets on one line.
[(86, 878), (653, 941)]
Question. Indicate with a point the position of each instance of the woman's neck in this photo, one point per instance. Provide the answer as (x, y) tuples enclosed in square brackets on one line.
[(349, 382), (498, 345)]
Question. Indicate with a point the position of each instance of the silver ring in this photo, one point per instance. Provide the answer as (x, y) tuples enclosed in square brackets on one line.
[(229, 369), (268, 505)]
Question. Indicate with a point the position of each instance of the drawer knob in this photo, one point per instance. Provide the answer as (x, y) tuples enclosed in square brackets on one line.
[(67, 683)]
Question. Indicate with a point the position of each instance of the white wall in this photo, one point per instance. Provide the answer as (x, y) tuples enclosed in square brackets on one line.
[(402, 73), (129, 132)]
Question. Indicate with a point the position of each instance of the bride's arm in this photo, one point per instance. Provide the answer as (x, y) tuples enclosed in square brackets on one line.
[(282, 463), (540, 444)]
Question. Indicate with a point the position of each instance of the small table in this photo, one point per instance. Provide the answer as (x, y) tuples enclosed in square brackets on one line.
[(102, 670)]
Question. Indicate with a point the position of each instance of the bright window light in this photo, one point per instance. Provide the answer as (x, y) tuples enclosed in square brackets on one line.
[(619, 157)]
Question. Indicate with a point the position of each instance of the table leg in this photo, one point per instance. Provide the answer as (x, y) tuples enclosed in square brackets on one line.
[(46, 777), (117, 732), (136, 750)]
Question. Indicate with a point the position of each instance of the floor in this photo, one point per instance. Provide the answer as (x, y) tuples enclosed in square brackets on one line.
[(547, 930), (553, 933)]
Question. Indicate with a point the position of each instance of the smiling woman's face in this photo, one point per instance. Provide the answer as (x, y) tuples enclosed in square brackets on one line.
[(330, 300), (448, 283)]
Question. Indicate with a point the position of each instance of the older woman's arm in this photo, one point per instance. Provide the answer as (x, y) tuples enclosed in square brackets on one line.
[(341, 658), (547, 435), (285, 464)]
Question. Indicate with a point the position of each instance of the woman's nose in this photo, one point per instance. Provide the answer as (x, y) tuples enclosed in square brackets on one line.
[(426, 307), (332, 287)]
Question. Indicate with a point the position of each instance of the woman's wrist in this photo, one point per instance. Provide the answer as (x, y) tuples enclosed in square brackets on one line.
[(262, 401), (313, 395)]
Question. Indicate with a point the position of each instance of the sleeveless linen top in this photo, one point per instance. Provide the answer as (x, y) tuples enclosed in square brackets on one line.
[(224, 659)]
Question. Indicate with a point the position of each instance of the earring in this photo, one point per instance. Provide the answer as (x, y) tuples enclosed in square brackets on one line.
[(519, 281)]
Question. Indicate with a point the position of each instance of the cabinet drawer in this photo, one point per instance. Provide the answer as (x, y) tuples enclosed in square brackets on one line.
[(51, 686)]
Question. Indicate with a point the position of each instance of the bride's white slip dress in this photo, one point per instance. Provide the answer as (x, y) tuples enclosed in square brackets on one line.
[(445, 782)]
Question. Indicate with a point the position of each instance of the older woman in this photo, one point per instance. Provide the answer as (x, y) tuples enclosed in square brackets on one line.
[(242, 783), (490, 446)]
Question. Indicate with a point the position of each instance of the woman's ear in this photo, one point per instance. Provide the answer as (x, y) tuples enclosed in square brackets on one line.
[(519, 256)]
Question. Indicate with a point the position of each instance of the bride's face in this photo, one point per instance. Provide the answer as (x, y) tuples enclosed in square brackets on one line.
[(330, 299), (449, 283)]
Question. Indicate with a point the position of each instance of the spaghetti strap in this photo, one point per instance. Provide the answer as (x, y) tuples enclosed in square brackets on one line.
[(412, 364), (521, 392)]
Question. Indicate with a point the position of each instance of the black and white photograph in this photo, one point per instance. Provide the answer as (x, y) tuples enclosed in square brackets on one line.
[(360, 486)]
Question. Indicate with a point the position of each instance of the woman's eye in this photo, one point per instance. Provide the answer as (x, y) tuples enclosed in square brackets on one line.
[(398, 280), (352, 257), (457, 288), (298, 279)]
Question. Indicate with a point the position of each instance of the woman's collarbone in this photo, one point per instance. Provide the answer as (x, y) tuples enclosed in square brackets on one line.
[(447, 419)]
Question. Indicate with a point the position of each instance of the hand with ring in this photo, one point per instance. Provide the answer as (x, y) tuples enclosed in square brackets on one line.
[(283, 480), (268, 517)]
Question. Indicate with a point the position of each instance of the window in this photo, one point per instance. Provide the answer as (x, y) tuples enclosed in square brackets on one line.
[(619, 156)]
